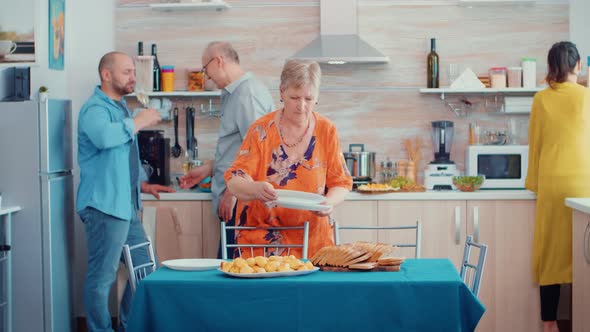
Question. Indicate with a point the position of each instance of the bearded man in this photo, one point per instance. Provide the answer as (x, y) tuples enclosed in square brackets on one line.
[(111, 179)]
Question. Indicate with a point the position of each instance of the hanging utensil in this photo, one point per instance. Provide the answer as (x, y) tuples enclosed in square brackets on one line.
[(176, 149), (189, 131), (195, 148)]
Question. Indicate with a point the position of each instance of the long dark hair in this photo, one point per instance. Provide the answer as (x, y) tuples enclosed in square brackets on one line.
[(562, 59)]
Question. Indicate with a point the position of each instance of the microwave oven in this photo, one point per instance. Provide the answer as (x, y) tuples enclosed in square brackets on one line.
[(504, 166)]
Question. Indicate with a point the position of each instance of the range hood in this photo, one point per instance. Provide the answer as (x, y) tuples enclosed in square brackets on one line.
[(339, 42)]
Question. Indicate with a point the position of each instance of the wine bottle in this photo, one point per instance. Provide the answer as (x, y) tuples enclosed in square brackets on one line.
[(432, 65), (140, 48), (156, 69)]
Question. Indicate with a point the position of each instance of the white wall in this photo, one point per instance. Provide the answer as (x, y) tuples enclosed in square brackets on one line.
[(580, 27), (90, 35)]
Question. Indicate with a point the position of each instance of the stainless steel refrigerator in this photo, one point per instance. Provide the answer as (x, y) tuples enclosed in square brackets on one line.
[(36, 174)]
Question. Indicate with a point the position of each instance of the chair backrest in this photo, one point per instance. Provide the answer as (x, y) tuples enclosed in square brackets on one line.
[(136, 273), (416, 244), (265, 246), (472, 273)]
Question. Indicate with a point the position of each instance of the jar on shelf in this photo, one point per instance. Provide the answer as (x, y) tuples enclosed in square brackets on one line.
[(196, 80), (167, 78), (515, 77), (529, 73), (498, 77)]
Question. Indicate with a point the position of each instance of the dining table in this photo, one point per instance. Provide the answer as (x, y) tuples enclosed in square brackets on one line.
[(424, 295)]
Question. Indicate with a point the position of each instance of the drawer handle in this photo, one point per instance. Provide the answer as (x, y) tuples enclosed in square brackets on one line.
[(587, 243), (457, 225)]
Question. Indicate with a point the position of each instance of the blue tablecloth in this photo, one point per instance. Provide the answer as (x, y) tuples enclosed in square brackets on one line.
[(426, 295)]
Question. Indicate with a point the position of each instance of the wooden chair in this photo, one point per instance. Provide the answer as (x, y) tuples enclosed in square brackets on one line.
[(136, 273), (416, 244), (472, 273), (303, 245)]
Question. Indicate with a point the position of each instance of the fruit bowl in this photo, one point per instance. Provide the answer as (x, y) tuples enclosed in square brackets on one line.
[(468, 183)]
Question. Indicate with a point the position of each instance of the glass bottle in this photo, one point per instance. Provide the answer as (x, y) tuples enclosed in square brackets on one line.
[(432, 65), (156, 69), (140, 48)]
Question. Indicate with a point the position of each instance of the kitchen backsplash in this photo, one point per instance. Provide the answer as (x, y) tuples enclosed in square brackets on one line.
[(377, 104)]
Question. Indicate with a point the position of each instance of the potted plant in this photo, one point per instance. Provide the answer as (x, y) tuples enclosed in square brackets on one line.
[(43, 94)]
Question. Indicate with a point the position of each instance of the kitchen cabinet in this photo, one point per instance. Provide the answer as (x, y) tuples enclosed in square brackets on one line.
[(186, 232), (356, 213), (581, 273), (506, 226), (507, 289), (211, 229), (443, 226)]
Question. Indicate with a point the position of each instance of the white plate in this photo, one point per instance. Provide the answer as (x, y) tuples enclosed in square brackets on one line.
[(301, 200), (270, 274), (193, 264)]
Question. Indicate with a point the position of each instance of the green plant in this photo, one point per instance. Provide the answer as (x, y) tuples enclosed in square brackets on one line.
[(43, 88)]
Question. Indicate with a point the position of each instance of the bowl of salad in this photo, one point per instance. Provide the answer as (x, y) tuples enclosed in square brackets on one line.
[(468, 183)]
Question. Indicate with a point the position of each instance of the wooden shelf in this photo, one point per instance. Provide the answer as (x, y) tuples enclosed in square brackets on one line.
[(484, 91), (186, 6), (216, 93), (470, 3)]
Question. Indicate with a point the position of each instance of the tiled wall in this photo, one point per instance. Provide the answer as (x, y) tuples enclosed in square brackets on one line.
[(377, 104)]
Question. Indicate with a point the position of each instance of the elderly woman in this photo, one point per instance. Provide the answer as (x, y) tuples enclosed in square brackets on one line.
[(291, 148)]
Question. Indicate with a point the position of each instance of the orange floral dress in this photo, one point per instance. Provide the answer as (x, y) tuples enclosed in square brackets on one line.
[(317, 168)]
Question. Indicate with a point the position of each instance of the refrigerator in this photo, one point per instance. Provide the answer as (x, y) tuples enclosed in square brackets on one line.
[(36, 174)]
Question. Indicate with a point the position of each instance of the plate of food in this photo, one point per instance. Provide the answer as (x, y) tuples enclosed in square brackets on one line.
[(193, 264), (267, 267), (301, 200), (376, 188), (270, 274)]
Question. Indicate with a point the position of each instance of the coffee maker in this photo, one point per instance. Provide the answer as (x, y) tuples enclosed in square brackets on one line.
[(440, 172), (154, 153)]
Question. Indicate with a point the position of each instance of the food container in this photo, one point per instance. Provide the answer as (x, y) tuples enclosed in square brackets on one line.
[(529, 73), (196, 80), (167, 78), (468, 183), (514, 77), (498, 77), (361, 164), (494, 138)]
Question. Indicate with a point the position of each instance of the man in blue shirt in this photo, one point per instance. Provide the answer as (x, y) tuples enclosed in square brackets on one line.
[(243, 100), (111, 179)]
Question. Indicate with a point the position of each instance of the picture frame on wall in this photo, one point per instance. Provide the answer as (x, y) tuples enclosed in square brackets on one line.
[(56, 34), (17, 32)]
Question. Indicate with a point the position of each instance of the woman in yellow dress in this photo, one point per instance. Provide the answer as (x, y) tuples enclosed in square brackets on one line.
[(559, 167)]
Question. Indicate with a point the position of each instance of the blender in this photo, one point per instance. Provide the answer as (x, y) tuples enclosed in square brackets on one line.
[(439, 173)]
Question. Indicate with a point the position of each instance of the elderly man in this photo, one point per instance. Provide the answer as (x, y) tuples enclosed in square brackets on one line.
[(111, 178), (243, 100)]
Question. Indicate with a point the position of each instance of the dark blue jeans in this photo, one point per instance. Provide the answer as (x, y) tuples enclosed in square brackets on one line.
[(105, 236)]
